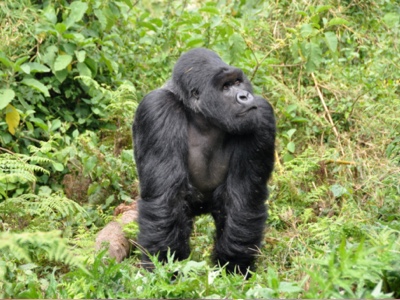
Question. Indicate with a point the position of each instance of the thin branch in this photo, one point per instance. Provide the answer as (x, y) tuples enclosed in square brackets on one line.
[(5, 150), (321, 97), (340, 162), (285, 66)]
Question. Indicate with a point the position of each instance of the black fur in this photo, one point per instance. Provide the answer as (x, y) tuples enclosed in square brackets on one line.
[(204, 144)]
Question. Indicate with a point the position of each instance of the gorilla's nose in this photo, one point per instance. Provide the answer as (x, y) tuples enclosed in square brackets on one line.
[(244, 97)]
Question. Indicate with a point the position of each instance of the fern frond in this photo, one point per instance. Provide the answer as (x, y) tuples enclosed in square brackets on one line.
[(53, 206), (22, 245), (19, 161), (15, 168), (45, 147)]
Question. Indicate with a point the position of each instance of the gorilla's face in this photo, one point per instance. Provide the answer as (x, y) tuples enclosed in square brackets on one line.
[(228, 101), (221, 93)]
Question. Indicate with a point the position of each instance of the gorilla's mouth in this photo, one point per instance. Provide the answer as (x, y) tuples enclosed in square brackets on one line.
[(244, 112)]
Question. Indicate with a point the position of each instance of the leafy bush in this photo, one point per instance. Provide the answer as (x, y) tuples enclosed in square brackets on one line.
[(72, 73)]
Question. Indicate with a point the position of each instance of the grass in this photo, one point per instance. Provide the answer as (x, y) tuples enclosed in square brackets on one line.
[(334, 224)]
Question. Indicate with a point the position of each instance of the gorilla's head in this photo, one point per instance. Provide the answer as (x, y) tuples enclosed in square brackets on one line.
[(221, 93)]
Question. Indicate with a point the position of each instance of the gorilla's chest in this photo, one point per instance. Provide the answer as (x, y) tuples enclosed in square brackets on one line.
[(208, 159)]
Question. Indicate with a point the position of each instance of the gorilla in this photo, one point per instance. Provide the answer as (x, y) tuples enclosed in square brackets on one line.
[(204, 143)]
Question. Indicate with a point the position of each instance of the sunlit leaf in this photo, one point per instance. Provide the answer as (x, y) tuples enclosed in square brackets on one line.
[(338, 190), (331, 41), (337, 21), (12, 118), (291, 147), (391, 19), (313, 55), (37, 85), (6, 96), (35, 67), (306, 30), (77, 12), (62, 62), (84, 70)]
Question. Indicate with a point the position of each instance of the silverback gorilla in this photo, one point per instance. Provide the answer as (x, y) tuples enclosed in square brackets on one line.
[(204, 143)]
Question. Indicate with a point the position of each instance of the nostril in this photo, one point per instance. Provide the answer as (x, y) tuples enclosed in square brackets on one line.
[(244, 97)]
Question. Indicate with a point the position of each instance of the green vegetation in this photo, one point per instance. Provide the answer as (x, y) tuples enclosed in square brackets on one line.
[(71, 75)]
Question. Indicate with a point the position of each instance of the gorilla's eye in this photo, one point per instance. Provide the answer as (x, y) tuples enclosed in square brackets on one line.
[(237, 82), (195, 94), (227, 85)]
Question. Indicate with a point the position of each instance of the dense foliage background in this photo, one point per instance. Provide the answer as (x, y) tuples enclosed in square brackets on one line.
[(72, 74)]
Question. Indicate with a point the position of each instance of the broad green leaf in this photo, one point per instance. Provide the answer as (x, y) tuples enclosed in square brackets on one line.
[(157, 21), (148, 25), (5, 137), (5, 61), (77, 11), (377, 292), (210, 9), (337, 21), (291, 147), (92, 64), (55, 125), (193, 265), (290, 132), (20, 61), (6, 96), (61, 75), (50, 14), (110, 16), (338, 191), (35, 67), (84, 70), (62, 62), (12, 118), (37, 85), (76, 37), (58, 166), (313, 54), (61, 28), (80, 55), (39, 123), (295, 50), (306, 30), (323, 8), (289, 287), (50, 55), (237, 46), (261, 293), (301, 13), (26, 68), (101, 17), (128, 2), (299, 120), (391, 19), (69, 48), (331, 41), (111, 64), (195, 42)]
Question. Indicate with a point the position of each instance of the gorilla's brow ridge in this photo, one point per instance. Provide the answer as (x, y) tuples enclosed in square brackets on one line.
[(228, 74)]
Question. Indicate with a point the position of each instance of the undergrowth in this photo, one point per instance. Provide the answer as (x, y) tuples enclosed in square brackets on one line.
[(72, 74)]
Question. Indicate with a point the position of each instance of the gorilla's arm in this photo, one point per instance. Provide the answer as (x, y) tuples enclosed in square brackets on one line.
[(240, 221), (160, 130)]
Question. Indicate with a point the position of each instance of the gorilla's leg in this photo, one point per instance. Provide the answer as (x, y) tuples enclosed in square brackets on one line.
[(164, 227), (240, 228)]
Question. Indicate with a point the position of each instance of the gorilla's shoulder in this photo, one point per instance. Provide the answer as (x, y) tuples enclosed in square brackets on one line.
[(161, 104), (160, 95), (160, 98)]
